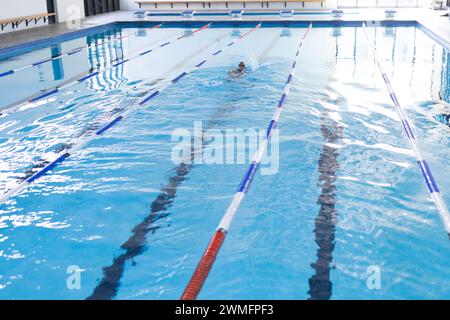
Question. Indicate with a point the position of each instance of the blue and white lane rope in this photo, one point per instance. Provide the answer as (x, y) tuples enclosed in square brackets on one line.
[(63, 156), (59, 56), (424, 168), (59, 158), (70, 84), (206, 262)]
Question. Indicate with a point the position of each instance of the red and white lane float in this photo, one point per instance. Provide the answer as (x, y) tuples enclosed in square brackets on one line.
[(206, 262)]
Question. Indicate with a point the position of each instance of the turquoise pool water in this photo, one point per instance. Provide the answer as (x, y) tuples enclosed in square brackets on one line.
[(343, 158)]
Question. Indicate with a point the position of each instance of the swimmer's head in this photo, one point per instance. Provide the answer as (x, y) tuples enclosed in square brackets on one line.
[(241, 66)]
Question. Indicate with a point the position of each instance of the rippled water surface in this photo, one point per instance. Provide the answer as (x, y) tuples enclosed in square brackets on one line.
[(347, 201)]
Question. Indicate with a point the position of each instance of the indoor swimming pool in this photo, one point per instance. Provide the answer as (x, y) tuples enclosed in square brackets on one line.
[(339, 209)]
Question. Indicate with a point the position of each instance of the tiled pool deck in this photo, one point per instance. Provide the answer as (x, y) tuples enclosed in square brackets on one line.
[(433, 20)]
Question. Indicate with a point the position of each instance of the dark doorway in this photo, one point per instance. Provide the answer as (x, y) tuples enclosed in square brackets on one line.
[(93, 7), (51, 9)]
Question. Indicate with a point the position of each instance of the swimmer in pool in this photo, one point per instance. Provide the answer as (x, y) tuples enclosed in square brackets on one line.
[(239, 71)]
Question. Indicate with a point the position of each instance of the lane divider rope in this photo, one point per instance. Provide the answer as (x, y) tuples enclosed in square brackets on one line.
[(59, 56), (193, 32), (117, 109), (117, 118), (207, 260), (108, 287), (66, 85), (423, 165), (93, 74)]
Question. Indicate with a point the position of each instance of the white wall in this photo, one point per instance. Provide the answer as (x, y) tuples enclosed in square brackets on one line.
[(64, 9), (17, 8), (128, 5), (69, 10)]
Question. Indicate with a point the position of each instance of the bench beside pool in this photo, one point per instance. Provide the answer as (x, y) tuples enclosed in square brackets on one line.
[(15, 22), (207, 3)]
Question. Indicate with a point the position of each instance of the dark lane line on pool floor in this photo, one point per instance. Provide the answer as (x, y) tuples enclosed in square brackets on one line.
[(206, 262), (320, 285), (135, 245)]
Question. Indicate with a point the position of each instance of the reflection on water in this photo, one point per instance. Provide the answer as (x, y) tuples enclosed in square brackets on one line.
[(101, 54), (57, 65), (348, 194)]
